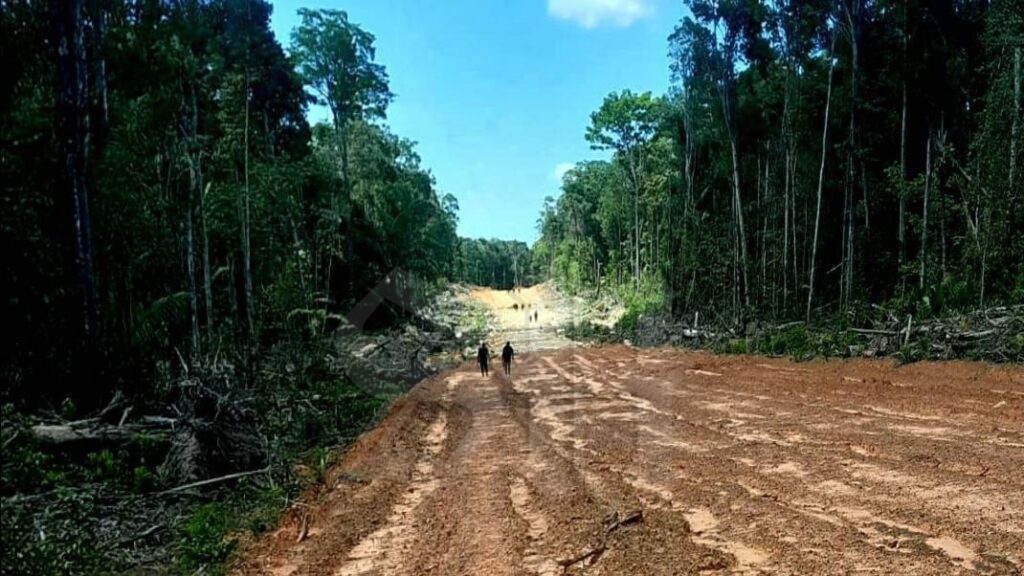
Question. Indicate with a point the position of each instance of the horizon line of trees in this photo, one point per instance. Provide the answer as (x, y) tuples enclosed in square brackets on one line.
[(499, 264), (812, 158)]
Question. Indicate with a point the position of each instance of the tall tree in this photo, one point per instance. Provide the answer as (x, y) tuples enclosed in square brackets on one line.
[(821, 180), (625, 123), (336, 59), (74, 132)]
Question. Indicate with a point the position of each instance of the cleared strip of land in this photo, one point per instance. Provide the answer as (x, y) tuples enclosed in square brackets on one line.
[(737, 465)]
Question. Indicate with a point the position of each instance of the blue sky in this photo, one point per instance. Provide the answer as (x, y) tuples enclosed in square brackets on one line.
[(498, 93)]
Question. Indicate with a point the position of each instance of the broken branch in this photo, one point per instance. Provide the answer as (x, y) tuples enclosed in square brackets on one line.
[(213, 481), (592, 551)]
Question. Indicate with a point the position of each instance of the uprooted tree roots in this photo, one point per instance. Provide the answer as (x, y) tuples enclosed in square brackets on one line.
[(217, 429)]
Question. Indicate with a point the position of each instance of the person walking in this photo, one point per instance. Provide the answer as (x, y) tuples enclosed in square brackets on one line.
[(506, 358), (482, 355)]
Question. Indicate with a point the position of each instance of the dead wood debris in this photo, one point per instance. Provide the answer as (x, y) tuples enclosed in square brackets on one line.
[(592, 553)]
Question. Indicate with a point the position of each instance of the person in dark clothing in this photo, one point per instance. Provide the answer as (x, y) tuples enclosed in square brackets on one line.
[(482, 355), (506, 358), (535, 316)]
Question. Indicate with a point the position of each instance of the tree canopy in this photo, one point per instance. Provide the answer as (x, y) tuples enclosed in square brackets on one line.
[(194, 205), (811, 158)]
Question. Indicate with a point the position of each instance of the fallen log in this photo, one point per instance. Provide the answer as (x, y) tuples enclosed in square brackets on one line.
[(88, 435), (65, 434), (873, 332), (787, 326)]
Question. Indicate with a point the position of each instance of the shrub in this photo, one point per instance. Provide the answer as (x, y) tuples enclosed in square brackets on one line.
[(143, 479), (51, 540), (202, 542)]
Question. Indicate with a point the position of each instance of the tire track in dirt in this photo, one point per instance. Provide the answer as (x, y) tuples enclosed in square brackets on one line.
[(534, 559), (788, 467), (382, 550)]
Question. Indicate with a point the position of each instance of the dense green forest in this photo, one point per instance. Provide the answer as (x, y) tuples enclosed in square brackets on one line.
[(163, 193), (497, 263), (812, 158)]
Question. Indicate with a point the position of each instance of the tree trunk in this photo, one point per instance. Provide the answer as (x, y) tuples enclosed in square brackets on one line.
[(924, 222), (853, 21), (98, 16), (636, 235), (635, 176), (1015, 127), (190, 129), (207, 278), (764, 230), (785, 140), (190, 264), (250, 309), (847, 232), (903, 154), (73, 126), (792, 205), (941, 206), (785, 234), (821, 182), (200, 189), (738, 211), (346, 187)]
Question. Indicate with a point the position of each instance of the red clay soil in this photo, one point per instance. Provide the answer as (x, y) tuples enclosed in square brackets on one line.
[(725, 465)]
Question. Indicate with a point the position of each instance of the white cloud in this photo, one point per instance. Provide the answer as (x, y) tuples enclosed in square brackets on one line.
[(561, 169), (594, 13)]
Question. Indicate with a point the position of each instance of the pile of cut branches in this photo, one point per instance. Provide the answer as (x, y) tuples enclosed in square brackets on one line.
[(995, 334)]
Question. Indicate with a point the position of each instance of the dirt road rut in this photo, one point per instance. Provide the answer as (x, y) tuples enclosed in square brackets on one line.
[(738, 465)]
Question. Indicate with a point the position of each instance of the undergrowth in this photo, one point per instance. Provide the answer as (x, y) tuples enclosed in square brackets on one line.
[(57, 514)]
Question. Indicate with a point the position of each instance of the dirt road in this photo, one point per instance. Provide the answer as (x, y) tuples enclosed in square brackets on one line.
[(531, 317), (614, 460)]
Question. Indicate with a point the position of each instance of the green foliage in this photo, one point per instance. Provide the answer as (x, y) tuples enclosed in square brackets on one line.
[(500, 264), (624, 122), (711, 191), (795, 341), (798, 342), (143, 479), (587, 331), (315, 406), (103, 465), (628, 323), (1016, 347), (147, 446), (335, 58), (734, 346), (205, 117), (52, 541), (202, 540), (23, 467), (67, 409), (221, 225), (205, 540)]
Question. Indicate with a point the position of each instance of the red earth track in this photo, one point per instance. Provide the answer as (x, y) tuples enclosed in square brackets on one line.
[(739, 465)]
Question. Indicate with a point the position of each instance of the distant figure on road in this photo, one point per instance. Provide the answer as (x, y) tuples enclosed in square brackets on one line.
[(535, 316), (506, 358), (482, 355)]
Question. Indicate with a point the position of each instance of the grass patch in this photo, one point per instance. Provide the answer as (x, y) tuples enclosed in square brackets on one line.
[(205, 541)]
